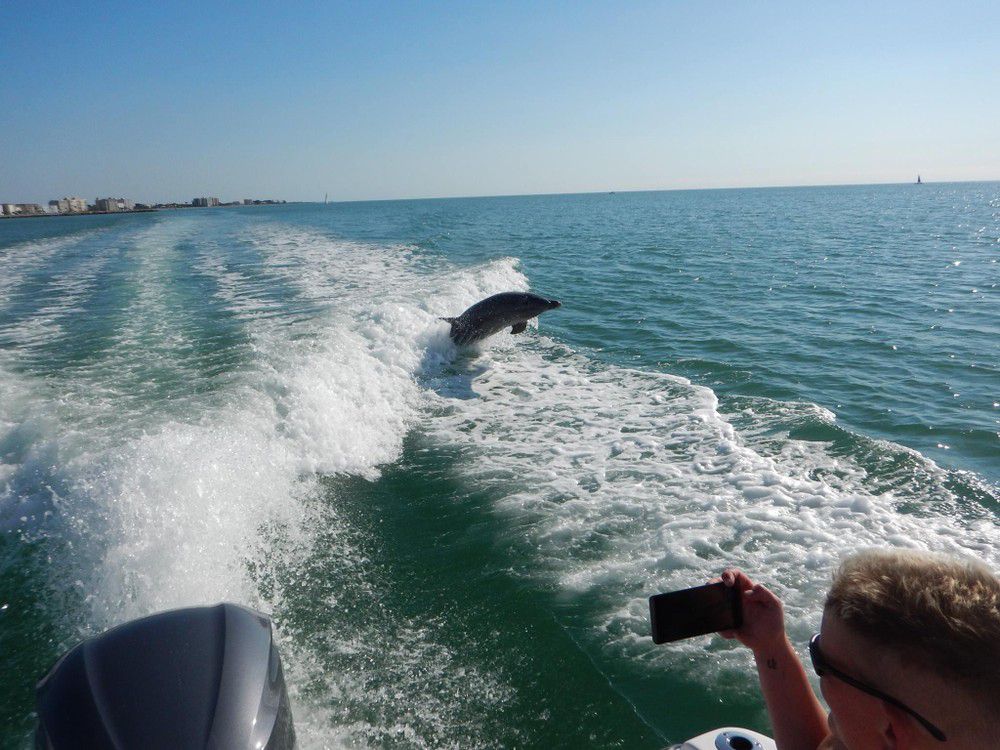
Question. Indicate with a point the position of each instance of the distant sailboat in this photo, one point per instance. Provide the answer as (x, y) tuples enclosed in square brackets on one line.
[(919, 181), (326, 196)]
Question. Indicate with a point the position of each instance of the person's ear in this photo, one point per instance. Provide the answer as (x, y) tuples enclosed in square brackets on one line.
[(900, 731)]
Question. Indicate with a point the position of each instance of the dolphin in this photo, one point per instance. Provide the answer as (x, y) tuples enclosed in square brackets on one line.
[(495, 313)]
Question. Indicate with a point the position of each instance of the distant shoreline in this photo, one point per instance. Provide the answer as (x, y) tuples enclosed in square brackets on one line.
[(134, 210), (81, 213)]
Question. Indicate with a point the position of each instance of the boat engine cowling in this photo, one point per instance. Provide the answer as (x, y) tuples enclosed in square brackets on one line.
[(203, 677)]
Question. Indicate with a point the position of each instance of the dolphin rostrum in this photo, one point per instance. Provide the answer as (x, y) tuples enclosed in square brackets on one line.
[(495, 313)]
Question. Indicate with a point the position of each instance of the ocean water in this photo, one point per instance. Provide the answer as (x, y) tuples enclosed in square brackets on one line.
[(260, 405)]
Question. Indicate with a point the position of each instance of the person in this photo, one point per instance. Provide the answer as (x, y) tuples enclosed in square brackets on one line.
[(908, 656)]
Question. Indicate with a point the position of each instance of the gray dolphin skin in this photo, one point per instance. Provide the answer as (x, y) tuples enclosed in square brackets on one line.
[(495, 313)]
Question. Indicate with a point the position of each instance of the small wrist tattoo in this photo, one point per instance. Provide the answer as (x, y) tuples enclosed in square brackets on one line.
[(772, 663)]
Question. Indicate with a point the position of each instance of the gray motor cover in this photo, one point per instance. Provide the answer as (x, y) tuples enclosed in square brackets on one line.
[(203, 677)]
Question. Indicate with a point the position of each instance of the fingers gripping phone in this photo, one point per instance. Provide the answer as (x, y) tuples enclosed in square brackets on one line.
[(696, 611)]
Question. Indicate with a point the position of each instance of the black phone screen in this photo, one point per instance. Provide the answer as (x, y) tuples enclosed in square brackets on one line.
[(697, 611)]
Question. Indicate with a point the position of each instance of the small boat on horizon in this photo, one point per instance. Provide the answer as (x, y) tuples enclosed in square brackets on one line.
[(919, 181)]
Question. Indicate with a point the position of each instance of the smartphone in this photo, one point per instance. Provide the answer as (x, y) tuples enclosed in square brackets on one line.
[(697, 611)]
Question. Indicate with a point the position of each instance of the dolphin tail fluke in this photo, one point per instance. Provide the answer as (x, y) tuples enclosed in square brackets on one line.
[(455, 328)]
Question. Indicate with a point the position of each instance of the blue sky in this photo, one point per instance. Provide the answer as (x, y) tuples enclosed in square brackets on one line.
[(362, 100)]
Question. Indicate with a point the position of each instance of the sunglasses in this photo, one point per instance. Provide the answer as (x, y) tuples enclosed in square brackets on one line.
[(822, 667)]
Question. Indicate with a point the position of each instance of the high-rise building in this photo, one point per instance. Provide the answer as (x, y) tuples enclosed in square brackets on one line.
[(204, 202), (114, 204), (72, 205)]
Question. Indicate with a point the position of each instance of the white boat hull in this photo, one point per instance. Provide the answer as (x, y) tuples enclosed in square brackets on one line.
[(728, 738)]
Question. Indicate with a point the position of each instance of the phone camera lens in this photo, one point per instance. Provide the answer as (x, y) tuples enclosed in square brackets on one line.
[(740, 743)]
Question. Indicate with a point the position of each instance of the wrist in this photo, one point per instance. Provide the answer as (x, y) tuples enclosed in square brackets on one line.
[(769, 649)]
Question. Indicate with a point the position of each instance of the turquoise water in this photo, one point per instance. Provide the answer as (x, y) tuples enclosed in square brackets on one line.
[(260, 405)]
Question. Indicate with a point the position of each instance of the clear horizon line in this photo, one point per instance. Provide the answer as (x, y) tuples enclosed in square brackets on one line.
[(650, 190)]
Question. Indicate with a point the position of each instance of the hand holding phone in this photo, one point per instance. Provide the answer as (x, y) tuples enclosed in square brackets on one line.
[(763, 613), (695, 611)]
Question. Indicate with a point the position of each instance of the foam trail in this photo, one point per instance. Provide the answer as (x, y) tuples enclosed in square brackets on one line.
[(630, 482), (175, 502), (337, 398), (64, 295), (18, 261)]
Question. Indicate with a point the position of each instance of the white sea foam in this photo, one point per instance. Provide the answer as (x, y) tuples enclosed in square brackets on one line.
[(19, 260), (65, 291), (179, 507), (64, 294), (27, 424), (631, 482)]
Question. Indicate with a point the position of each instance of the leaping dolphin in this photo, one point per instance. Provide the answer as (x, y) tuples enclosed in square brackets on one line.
[(495, 313)]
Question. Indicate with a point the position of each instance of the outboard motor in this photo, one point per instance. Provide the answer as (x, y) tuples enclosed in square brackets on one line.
[(204, 677)]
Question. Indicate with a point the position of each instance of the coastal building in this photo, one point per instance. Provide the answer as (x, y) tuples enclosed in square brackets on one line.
[(68, 205), (22, 209), (204, 202), (114, 204)]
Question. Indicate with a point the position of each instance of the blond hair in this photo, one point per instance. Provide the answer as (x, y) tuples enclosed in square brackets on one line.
[(942, 613)]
